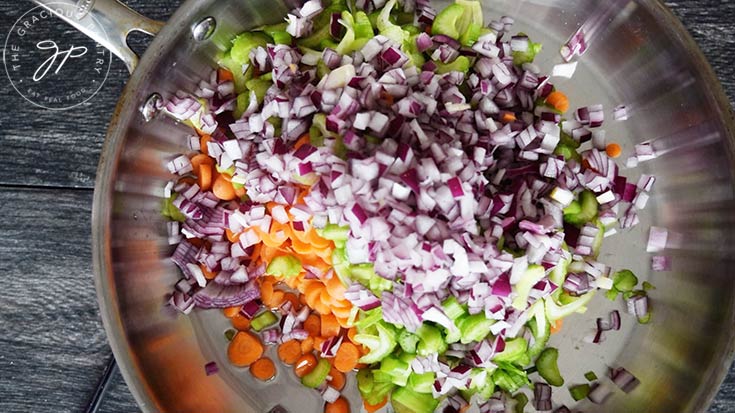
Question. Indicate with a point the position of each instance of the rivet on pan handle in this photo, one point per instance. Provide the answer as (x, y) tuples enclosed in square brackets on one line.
[(108, 22)]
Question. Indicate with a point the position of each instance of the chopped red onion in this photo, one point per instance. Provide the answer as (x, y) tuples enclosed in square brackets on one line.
[(624, 379), (211, 368)]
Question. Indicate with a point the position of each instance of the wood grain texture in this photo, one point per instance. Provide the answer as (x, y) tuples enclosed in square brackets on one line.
[(52, 345)]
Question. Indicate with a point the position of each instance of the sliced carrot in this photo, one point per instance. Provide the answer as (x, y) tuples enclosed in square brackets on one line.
[(307, 345), (224, 75), (223, 189), (335, 287), (338, 379), (203, 141), (207, 274), (204, 178), (330, 327), (276, 299), (318, 341), (613, 150), (240, 322), (232, 311), (558, 100), (304, 365), (240, 191), (340, 405), (266, 288), (289, 352), (344, 322), (198, 160), (187, 180), (346, 358), (231, 236), (372, 408), (244, 349), (556, 326), (263, 369), (351, 333), (313, 325), (508, 117), (293, 299), (341, 312), (313, 292), (303, 140)]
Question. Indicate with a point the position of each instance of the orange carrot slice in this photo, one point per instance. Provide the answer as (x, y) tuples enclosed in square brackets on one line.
[(244, 349), (346, 358), (263, 369)]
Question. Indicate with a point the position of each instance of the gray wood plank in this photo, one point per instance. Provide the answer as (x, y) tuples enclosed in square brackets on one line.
[(52, 344)]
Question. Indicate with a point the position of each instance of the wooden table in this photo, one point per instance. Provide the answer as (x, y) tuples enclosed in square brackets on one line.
[(53, 348)]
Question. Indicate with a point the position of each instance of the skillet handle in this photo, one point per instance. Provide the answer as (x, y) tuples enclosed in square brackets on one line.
[(108, 22)]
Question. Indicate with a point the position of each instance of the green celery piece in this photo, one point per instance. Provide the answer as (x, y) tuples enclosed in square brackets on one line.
[(315, 39), (382, 377), (453, 309), (519, 58), (559, 273), (244, 43), (259, 86), (170, 211), (388, 28), (431, 341), (421, 383), (408, 341), (365, 382), (278, 33), (567, 152), (510, 378), (397, 369), (284, 266), (548, 367), (590, 376), (317, 376), (515, 349), (368, 319), (380, 392), (349, 42), (448, 21), (263, 320), (405, 400), (588, 209), (474, 327), (460, 64), (411, 49), (540, 328), (521, 402), (240, 78), (243, 101), (580, 392), (597, 242), (647, 286), (555, 311), (567, 140), (470, 36), (624, 281), (380, 346), (406, 20), (574, 208), (334, 232), (612, 294), (229, 171), (533, 275), (411, 29), (230, 334), (363, 26)]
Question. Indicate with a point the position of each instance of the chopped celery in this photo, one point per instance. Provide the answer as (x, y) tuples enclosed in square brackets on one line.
[(351, 41), (408, 341), (278, 33), (284, 266), (580, 392), (590, 376), (430, 341), (540, 328), (263, 320), (567, 153), (624, 281), (647, 286), (411, 49), (316, 38), (334, 232), (470, 36), (244, 43), (365, 382), (397, 369), (455, 19), (405, 400), (597, 242), (460, 64), (380, 345), (379, 393), (421, 383), (566, 140), (235, 68), (363, 26), (316, 377), (229, 171), (521, 402), (230, 334), (555, 311), (584, 211), (368, 320), (382, 377), (259, 86), (388, 28), (533, 275), (510, 378), (548, 367), (243, 101), (453, 309), (519, 58), (411, 29), (474, 327), (515, 349), (170, 211), (321, 21)]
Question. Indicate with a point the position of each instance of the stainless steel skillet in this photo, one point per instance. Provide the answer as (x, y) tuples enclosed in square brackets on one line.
[(640, 55)]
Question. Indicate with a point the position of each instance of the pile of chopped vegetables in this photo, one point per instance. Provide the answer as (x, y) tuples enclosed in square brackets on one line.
[(379, 187)]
